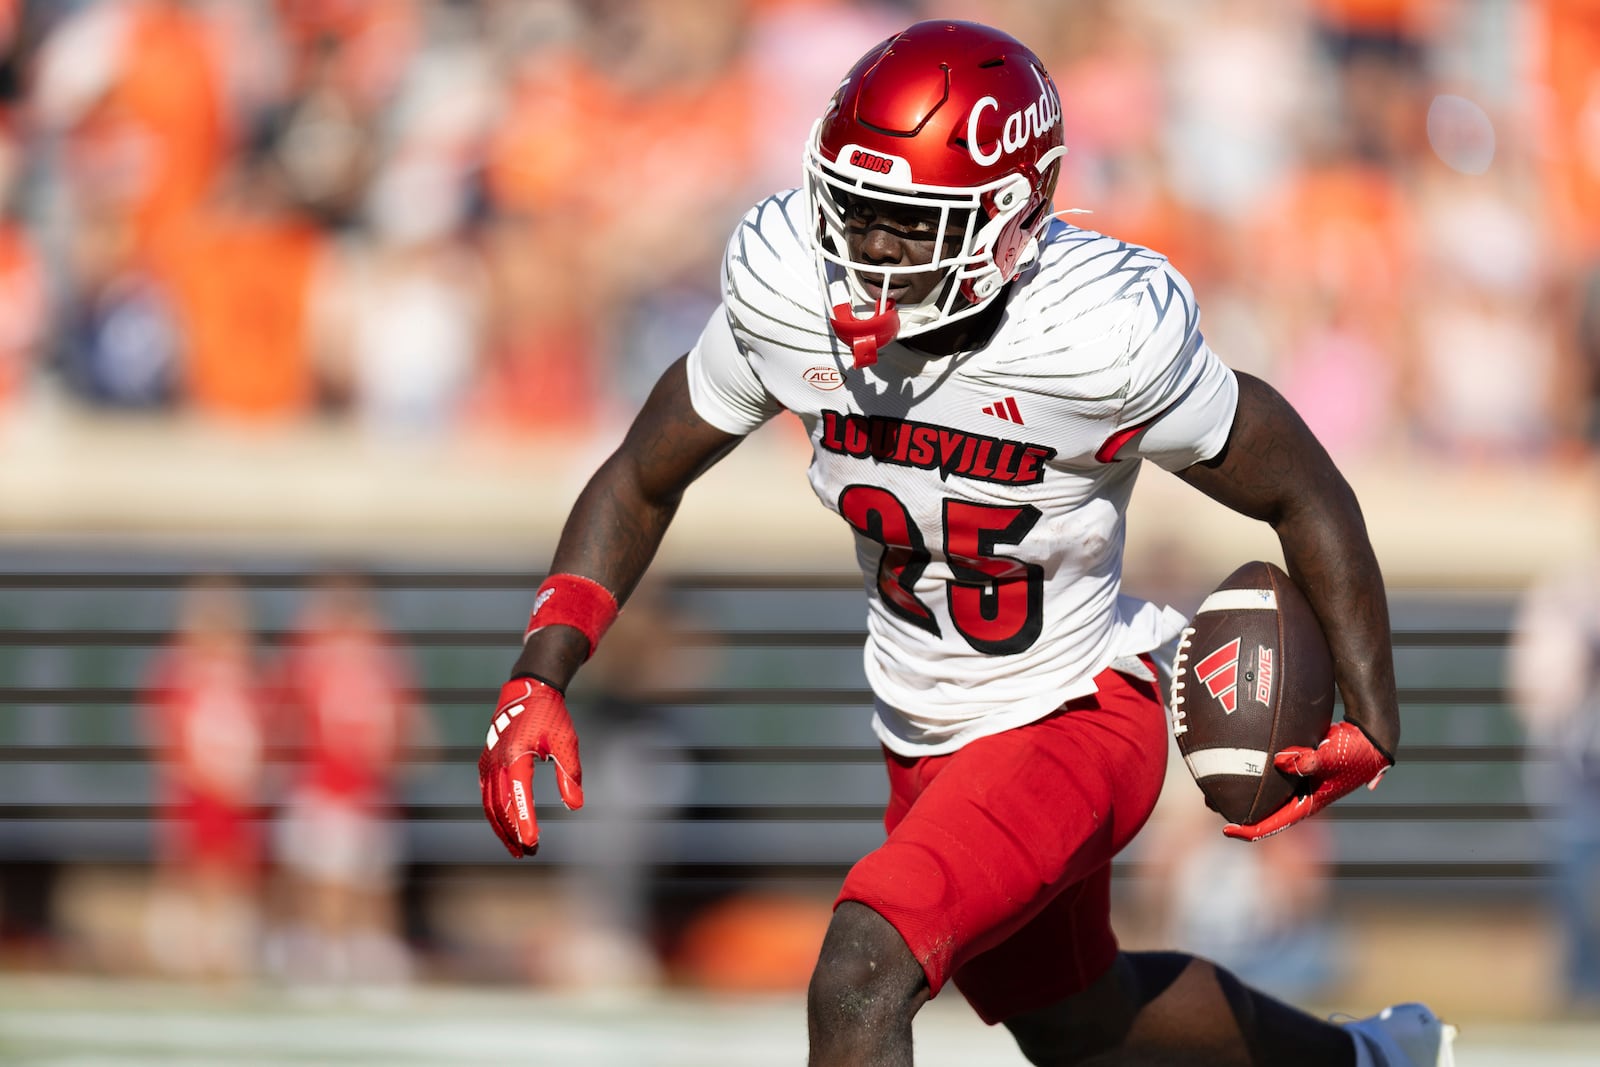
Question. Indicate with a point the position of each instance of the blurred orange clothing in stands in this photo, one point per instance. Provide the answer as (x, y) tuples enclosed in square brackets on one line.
[(1402, 18), (575, 141), (1568, 66), (566, 166), (164, 112), (1143, 210), (545, 155), (243, 282), (1339, 230)]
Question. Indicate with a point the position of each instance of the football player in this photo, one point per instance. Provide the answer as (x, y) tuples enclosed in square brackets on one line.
[(980, 382)]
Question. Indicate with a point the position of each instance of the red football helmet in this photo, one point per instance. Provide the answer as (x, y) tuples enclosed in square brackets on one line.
[(953, 116)]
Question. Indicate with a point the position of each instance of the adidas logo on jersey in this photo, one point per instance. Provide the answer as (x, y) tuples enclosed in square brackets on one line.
[(1005, 409)]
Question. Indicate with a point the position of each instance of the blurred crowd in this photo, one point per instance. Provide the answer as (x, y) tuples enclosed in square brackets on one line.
[(504, 216), (309, 893), (291, 770)]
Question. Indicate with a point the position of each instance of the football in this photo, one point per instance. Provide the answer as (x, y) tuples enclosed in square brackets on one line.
[(1253, 676)]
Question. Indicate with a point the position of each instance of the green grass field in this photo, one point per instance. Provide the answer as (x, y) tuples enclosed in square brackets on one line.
[(59, 1022)]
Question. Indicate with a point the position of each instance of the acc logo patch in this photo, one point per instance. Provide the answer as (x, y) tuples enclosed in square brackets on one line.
[(826, 379)]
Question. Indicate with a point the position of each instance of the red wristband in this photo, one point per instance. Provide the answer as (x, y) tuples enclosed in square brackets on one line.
[(573, 600)]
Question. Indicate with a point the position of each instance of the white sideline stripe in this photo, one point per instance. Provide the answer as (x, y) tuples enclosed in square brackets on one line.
[(1239, 600), (1209, 761), (76, 1023)]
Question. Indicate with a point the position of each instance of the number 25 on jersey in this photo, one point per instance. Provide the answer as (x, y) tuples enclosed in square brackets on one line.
[(996, 602)]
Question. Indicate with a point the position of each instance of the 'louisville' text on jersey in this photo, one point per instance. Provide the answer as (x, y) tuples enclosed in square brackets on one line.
[(929, 447)]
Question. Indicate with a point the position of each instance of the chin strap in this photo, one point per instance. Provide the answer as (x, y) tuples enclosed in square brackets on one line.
[(865, 335)]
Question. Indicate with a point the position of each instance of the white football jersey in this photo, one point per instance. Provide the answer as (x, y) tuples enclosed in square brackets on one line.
[(986, 489)]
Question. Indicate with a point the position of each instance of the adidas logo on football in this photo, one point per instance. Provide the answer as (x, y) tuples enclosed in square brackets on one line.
[(1220, 673), (1005, 409)]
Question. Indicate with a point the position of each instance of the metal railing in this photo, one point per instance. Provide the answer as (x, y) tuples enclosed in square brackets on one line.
[(783, 775)]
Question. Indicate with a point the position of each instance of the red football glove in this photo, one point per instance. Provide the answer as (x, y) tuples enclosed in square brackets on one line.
[(530, 722), (1343, 760)]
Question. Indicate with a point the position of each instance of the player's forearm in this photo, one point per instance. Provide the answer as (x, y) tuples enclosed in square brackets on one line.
[(1329, 555), (623, 513), (610, 536), (1274, 469), (615, 528)]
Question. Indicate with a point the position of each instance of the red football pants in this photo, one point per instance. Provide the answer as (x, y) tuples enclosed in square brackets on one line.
[(997, 867)]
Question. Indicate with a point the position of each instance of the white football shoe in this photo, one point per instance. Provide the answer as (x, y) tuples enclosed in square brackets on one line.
[(1405, 1035)]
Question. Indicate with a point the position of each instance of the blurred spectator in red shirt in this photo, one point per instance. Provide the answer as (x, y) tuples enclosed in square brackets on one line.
[(205, 712), (349, 705)]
